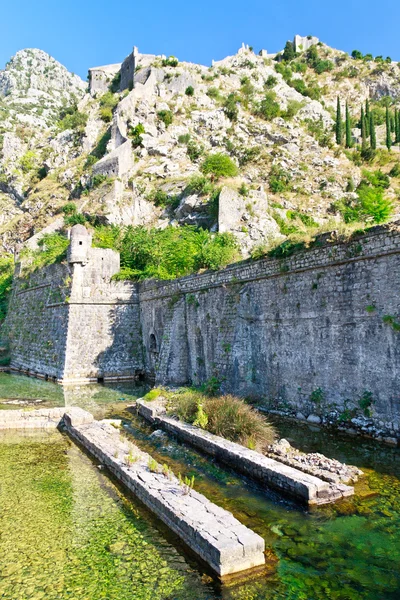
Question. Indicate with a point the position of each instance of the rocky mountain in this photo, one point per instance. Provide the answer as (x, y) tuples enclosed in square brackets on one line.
[(246, 146)]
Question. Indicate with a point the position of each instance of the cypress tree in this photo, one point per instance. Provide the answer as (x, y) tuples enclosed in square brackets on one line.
[(339, 132), (363, 129), (388, 130), (372, 131), (349, 142), (367, 116), (397, 122), (392, 123)]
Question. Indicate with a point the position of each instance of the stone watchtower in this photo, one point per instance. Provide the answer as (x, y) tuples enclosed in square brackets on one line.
[(80, 245)]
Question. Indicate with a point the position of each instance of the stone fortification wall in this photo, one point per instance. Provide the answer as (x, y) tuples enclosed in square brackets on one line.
[(37, 322), (72, 322), (317, 329), (313, 331), (100, 78)]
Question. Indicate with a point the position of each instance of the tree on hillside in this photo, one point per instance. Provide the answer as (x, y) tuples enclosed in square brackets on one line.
[(349, 141), (289, 51), (372, 131), (363, 129), (397, 126), (367, 117), (388, 130), (339, 130)]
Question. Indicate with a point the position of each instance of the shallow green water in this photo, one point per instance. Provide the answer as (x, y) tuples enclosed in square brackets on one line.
[(66, 531)]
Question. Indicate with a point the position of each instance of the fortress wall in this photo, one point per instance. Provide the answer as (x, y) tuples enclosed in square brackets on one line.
[(311, 331), (37, 321), (314, 330)]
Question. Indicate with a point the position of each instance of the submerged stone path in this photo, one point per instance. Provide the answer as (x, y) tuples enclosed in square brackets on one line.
[(211, 532), (268, 471)]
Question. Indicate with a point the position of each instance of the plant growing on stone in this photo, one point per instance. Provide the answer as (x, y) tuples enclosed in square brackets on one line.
[(166, 117), (107, 104), (227, 417), (269, 108), (166, 471), (130, 459), (171, 61), (153, 465), (219, 165), (152, 394), (135, 134), (231, 106), (201, 419), (186, 483), (194, 150), (270, 82), (365, 403), (189, 90), (317, 396)]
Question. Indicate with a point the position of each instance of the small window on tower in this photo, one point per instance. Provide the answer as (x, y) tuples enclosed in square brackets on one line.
[(80, 243)]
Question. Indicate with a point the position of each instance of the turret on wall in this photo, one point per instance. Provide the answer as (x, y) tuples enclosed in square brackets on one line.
[(80, 244)]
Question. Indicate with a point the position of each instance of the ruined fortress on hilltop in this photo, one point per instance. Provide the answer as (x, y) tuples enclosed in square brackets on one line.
[(321, 319)]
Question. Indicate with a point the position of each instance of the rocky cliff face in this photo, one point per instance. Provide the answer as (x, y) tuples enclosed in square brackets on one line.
[(134, 156)]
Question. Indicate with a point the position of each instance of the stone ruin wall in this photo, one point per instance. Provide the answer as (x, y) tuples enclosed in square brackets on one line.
[(309, 331), (282, 329)]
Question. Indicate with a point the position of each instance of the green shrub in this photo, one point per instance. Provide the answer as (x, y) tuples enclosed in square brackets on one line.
[(99, 179), (377, 178), (198, 184), (184, 138), (365, 403), (75, 219), (135, 134), (6, 278), (189, 90), (166, 117), (395, 171), (71, 118), (284, 70), (171, 61), (100, 149), (279, 179), (219, 165), (269, 107), (194, 150), (226, 416), (231, 106), (116, 82), (293, 107), (165, 253), (52, 249), (213, 92), (371, 205), (152, 394), (304, 218), (161, 198), (316, 63), (69, 208), (27, 161), (270, 82), (107, 104)]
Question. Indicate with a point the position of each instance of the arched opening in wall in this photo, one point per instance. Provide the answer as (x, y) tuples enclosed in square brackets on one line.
[(153, 343), (153, 354)]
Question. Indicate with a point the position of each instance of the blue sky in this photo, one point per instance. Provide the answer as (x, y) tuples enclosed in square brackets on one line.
[(85, 33)]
